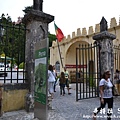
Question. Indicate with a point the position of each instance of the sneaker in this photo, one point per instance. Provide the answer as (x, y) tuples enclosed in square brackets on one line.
[(69, 93), (94, 116)]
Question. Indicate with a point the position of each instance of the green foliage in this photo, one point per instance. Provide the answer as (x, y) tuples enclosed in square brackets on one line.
[(21, 66), (13, 39), (48, 61), (52, 38), (58, 76)]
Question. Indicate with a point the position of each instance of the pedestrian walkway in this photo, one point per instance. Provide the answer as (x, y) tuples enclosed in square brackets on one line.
[(66, 108)]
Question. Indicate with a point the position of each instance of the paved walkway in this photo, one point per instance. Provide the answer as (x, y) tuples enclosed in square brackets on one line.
[(66, 108)]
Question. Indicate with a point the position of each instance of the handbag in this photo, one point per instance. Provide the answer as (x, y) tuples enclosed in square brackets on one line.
[(57, 82), (54, 77), (114, 90)]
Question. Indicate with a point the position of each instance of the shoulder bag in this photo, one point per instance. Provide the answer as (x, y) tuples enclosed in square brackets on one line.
[(54, 76), (114, 90)]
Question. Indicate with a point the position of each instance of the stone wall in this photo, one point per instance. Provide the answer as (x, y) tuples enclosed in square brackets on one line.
[(13, 100), (80, 37)]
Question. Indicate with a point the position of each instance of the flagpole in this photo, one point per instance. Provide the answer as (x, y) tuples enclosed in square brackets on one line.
[(60, 53)]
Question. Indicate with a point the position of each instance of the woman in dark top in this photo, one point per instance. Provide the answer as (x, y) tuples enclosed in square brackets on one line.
[(62, 82)]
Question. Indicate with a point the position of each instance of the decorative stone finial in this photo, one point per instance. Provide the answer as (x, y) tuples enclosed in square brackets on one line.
[(103, 25), (37, 4)]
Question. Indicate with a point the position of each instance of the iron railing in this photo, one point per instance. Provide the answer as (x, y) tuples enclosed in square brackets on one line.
[(12, 52), (87, 71)]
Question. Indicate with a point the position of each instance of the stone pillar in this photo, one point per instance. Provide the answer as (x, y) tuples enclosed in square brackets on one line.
[(37, 29), (105, 40)]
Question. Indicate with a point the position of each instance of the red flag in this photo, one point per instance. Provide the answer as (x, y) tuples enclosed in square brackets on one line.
[(59, 33)]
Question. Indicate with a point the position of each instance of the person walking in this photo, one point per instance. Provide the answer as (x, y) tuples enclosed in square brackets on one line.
[(67, 79), (51, 81), (117, 75), (55, 75), (62, 82), (106, 96)]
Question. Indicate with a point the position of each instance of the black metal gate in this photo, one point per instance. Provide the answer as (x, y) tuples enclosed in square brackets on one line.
[(87, 71), (116, 51), (12, 51)]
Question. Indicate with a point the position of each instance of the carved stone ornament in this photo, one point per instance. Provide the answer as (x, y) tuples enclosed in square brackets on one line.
[(103, 25), (37, 4)]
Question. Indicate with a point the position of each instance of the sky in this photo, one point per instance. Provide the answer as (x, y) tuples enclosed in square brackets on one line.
[(69, 14)]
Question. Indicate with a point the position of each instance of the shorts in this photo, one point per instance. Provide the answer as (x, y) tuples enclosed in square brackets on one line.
[(67, 83)]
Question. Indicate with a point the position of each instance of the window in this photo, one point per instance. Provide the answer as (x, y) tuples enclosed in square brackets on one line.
[(57, 67)]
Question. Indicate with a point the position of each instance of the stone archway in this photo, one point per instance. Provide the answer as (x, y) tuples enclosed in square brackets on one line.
[(70, 60)]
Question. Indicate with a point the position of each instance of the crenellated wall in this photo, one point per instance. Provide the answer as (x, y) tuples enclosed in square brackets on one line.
[(81, 36)]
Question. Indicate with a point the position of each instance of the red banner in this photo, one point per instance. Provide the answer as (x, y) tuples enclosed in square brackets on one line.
[(74, 66)]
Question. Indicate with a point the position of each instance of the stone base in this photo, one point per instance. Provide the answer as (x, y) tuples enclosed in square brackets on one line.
[(49, 103)]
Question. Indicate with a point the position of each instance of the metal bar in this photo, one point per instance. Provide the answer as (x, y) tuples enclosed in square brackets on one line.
[(24, 54), (89, 67), (86, 70), (5, 46), (94, 71), (76, 77), (80, 69), (98, 72), (13, 32), (9, 50), (83, 68), (60, 54), (92, 68)]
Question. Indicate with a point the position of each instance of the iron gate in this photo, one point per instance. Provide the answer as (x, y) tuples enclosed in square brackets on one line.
[(116, 51), (87, 71), (12, 51)]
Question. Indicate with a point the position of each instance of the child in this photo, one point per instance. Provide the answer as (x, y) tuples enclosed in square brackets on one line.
[(62, 82)]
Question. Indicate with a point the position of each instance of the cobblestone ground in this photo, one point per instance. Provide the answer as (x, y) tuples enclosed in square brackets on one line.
[(66, 108)]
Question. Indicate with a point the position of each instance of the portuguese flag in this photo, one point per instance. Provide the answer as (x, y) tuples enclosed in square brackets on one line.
[(59, 33)]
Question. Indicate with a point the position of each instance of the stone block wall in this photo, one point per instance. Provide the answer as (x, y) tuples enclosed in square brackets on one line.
[(81, 36), (13, 100)]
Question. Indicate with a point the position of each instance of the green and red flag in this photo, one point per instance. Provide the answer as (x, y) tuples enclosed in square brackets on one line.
[(59, 33)]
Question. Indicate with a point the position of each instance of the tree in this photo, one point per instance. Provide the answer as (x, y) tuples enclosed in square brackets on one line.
[(13, 38), (52, 38), (12, 41)]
